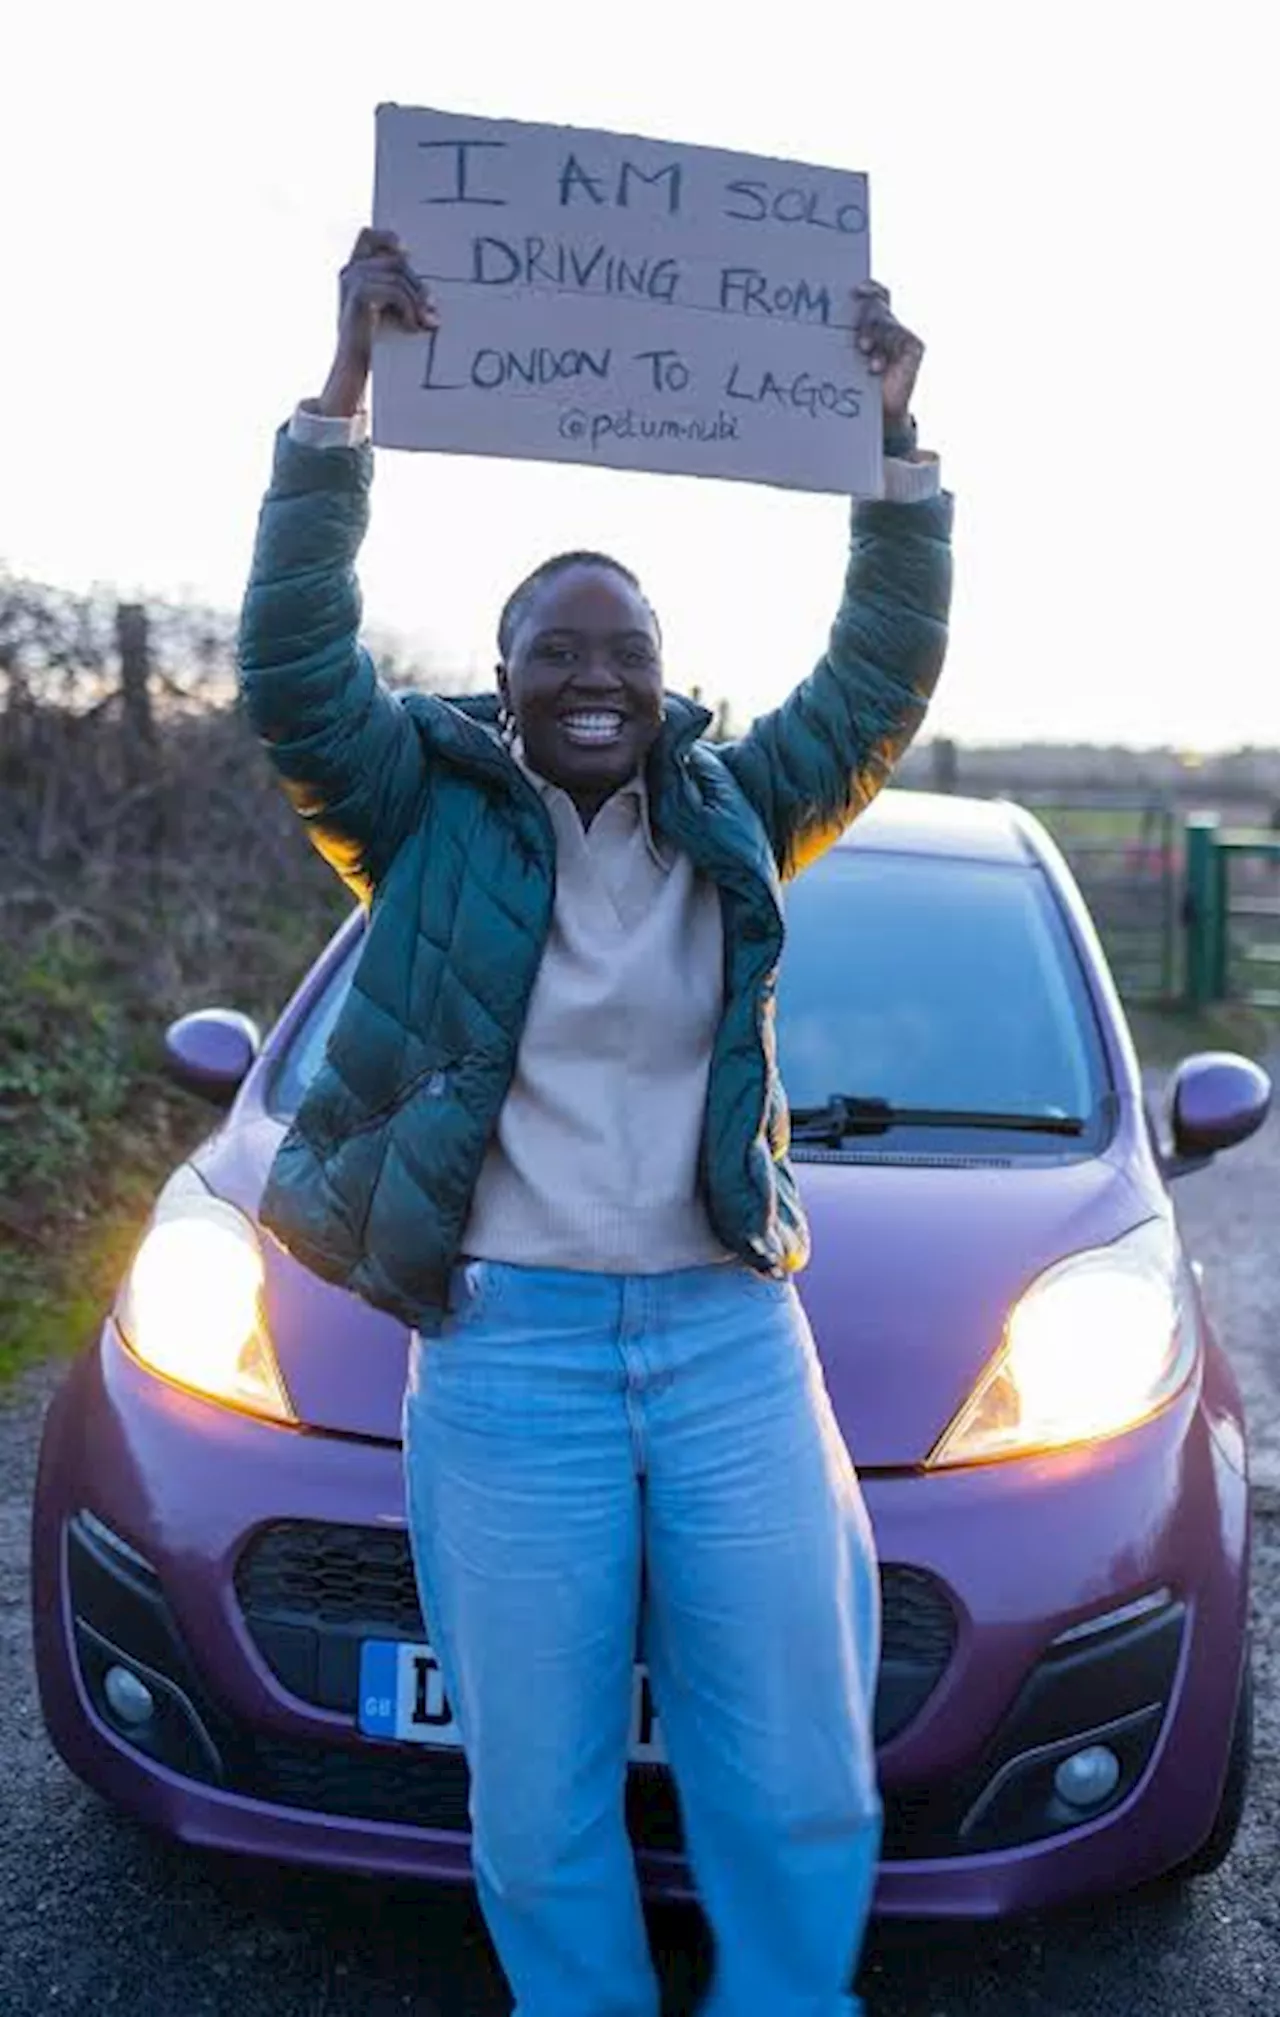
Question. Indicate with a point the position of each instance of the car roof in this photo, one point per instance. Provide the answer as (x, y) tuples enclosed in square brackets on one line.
[(943, 823)]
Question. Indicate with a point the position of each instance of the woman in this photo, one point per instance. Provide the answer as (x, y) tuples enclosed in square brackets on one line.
[(549, 1135)]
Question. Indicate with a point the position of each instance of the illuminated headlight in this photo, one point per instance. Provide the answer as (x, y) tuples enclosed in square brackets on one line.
[(1095, 1346), (191, 1305)]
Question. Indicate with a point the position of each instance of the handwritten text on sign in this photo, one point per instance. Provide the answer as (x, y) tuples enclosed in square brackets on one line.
[(626, 302)]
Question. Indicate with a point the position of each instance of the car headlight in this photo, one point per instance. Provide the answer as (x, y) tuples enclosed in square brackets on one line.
[(191, 1305), (1096, 1345)]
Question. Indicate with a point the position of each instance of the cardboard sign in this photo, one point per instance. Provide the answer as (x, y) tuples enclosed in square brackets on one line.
[(626, 302)]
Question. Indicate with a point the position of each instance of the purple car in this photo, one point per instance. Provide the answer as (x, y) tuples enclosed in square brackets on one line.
[(1050, 1438)]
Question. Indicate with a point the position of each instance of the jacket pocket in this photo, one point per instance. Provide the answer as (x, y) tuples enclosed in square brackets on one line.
[(434, 1080)]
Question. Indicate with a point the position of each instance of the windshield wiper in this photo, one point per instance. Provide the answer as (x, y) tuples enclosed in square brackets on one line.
[(844, 1115)]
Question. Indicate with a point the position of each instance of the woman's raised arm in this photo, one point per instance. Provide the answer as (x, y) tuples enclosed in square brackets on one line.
[(811, 765), (346, 750)]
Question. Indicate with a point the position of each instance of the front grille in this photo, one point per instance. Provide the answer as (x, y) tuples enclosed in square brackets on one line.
[(422, 1789), (419, 1788), (322, 1574), (426, 1789), (311, 1591)]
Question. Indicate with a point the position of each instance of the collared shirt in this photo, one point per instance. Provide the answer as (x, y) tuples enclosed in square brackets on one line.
[(594, 1164)]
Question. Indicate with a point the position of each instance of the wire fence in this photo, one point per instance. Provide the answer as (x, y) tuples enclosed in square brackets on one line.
[(138, 822)]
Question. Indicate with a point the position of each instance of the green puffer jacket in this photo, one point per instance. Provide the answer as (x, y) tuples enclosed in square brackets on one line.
[(417, 805)]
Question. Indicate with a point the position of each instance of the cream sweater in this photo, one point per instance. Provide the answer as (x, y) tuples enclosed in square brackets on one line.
[(595, 1161)]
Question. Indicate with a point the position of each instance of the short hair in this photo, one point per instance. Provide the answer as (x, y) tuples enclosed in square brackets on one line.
[(547, 570)]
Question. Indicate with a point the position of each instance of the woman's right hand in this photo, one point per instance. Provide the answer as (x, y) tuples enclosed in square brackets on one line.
[(376, 282)]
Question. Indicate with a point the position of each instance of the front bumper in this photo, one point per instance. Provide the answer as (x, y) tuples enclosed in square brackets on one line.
[(1029, 1608)]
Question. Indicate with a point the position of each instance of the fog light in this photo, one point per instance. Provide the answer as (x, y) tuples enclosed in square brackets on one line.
[(129, 1699), (1087, 1777)]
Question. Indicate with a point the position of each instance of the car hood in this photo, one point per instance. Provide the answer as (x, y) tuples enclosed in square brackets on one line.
[(914, 1270)]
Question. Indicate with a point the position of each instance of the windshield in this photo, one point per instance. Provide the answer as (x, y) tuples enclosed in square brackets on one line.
[(305, 1054), (913, 979), (936, 983)]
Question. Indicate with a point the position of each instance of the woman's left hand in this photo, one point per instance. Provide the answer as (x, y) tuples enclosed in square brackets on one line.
[(891, 351)]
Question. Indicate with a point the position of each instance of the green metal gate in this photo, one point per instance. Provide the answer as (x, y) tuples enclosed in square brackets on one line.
[(1126, 854), (1233, 914)]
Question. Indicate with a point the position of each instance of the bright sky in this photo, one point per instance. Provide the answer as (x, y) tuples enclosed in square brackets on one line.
[(1074, 205)]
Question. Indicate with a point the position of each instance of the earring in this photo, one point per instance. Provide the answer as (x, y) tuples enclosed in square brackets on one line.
[(506, 723)]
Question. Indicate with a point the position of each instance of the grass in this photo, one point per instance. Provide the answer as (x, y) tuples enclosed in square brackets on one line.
[(89, 1123), (1166, 1035), (1142, 823), (82, 1127)]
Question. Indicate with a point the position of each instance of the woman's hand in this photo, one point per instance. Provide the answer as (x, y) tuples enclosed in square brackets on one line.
[(892, 353), (376, 282)]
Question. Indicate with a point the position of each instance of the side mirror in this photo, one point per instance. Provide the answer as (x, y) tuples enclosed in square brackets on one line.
[(210, 1052), (1217, 1099)]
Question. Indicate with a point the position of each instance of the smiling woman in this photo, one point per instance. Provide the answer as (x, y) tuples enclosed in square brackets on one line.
[(547, 1133)]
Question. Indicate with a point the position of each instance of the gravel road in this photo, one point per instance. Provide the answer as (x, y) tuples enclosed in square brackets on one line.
[(96, 1916)]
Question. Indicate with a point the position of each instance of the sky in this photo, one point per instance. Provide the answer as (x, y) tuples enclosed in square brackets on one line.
[(1073, 204)]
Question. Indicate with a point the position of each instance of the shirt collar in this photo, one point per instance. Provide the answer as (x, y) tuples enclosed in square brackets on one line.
[(635, 788)]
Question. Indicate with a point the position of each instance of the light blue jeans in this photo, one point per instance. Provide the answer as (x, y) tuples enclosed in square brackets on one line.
[(563, 1432)]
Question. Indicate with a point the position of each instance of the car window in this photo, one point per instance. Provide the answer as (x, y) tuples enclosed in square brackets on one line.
[(305, 1054), (934, 982)]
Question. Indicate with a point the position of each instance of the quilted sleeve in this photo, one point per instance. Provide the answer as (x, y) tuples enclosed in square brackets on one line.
[(345, 748), (811, 765)]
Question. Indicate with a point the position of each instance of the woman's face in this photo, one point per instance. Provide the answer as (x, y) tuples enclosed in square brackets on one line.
[(583, 681)]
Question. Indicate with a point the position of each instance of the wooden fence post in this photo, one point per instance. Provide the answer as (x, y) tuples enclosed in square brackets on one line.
[(133, 643)]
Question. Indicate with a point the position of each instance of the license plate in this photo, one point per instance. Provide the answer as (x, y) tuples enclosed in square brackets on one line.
[(402, 1698)]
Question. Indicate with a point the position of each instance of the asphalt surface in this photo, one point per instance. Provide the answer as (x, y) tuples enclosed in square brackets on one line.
[(98, 1916)]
